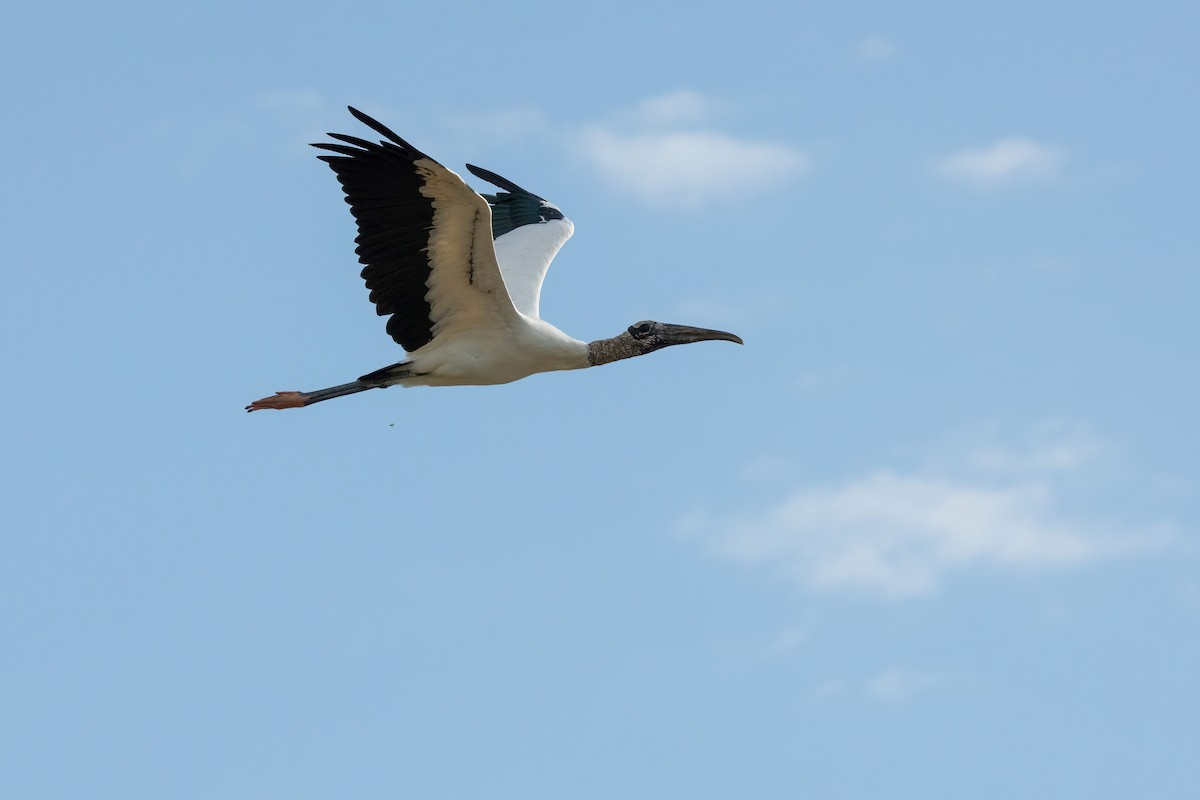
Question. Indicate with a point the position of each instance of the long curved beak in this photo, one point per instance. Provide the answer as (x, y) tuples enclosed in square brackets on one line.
[(686, 334)]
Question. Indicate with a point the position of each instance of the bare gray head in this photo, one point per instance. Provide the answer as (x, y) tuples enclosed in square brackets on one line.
[(648, 336)]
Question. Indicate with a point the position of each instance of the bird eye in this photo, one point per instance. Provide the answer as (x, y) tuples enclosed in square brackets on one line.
[(640, 330)]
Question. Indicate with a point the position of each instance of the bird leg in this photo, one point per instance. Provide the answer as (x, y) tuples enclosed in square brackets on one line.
[(279, 400), (301, 399)]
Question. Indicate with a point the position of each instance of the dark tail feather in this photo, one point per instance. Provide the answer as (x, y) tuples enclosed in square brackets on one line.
[(388, 375), (301, 399)]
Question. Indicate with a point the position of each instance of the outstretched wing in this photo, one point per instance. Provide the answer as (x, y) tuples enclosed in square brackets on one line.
[(424, 238), (529, 232)]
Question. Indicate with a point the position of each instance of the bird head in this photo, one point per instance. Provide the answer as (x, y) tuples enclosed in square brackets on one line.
[(650, 335), (647, 336)]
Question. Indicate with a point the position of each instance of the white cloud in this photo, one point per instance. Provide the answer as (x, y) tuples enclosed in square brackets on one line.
[(890, 686), (1005, 162), (666, 152), (897, 684), (1052, 457), (900, 535), (875, 48), (821, 380), (790, 640), (684, 107), (688, 168)]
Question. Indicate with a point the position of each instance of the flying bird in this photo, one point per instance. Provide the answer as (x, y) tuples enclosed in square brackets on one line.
[(459, 274)]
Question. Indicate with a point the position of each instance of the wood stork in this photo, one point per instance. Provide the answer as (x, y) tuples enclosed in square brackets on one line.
[(464, 307)]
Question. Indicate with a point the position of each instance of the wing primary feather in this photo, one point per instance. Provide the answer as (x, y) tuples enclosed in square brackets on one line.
[(382, 187), (380, 128), (496, 180), (354, 140), (336, 148)]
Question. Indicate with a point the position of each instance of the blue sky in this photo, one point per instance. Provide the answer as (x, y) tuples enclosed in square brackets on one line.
[(931, 533)]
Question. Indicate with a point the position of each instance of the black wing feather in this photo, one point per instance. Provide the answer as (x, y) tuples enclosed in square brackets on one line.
[(513, 207), (383, 189)]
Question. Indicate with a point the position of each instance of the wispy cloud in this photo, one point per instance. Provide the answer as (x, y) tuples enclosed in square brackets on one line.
[(890, 686), (897, 684), (682, 107), (1066, 455), (820, 380), (667, 153), (875, 48), (689, 168), (900, 534), (1008, 161)]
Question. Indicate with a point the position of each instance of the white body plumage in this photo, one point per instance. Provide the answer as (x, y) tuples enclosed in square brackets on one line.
[(521, 347)]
